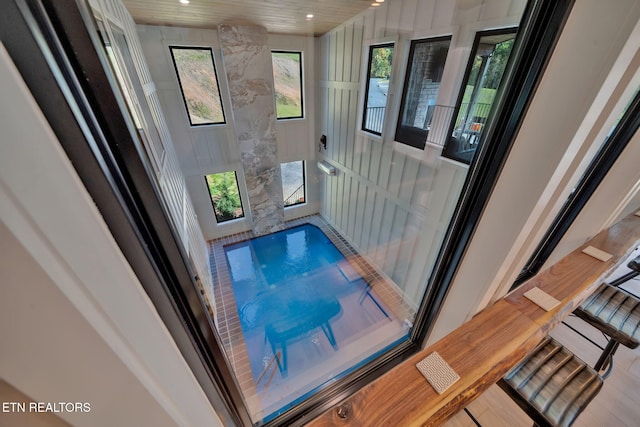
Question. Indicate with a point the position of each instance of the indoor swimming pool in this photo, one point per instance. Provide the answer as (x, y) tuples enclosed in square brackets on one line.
[(306, 313)]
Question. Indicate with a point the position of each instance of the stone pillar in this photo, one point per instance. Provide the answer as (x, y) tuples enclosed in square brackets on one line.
[(247, 63)]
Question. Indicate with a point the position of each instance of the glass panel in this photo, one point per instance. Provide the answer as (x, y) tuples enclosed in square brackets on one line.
[(140, 110), (199, 84), (421, 87), (375, 101), (292, 183), (225, 197), (486, 67), (287, 81), (300, 309), (612, 146)]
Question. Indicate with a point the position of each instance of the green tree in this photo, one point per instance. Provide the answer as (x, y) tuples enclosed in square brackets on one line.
[(224, 194), (381, 58), (497, 64)]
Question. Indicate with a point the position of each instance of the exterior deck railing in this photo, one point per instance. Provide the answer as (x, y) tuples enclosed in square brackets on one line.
[(479, 113), (374, 119), (296, 197)]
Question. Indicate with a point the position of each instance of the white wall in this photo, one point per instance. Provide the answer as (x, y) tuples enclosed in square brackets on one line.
[(590, 78), (204, 150), (75, 323), (161, 156), (51, 351), (394, 202), (618, 194), (8, 393)]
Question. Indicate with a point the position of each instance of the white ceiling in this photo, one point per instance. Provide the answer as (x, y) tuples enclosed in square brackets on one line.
[(278, 16)]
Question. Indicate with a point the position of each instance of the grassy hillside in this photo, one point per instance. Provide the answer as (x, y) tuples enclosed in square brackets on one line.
[(199, 85), (286, 78), (200, 88)]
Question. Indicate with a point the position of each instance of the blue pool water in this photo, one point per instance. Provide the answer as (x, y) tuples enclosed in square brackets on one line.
[(298, 297), (285, 274)]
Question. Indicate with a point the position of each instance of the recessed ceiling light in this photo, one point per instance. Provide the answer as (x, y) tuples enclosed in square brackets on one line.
[(184, 1), (309, 15), (379, 1)]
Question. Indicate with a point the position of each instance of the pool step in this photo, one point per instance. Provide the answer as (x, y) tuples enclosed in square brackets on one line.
[(352, 275), (348, 271)]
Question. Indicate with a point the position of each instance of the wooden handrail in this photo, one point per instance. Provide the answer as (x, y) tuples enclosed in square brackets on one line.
[(483, 349)]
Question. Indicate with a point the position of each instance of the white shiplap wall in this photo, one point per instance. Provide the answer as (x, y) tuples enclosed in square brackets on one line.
[(163, 157), (204, 150), (392, 202)]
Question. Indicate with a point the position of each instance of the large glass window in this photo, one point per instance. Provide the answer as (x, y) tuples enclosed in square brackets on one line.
[(293, 183), (421, 87), (287, 81), (225, 197), (199, 84), (375, 95), (491, 51), (616, 140), (296, 339)]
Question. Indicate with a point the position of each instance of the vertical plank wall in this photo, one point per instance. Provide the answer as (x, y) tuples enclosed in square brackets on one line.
[(394, 203), (162, 152)]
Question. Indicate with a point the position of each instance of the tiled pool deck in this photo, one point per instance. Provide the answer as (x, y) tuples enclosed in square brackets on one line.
[(226, 314)]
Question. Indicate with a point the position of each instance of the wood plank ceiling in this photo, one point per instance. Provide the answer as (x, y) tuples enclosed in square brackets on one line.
[(278, 16)]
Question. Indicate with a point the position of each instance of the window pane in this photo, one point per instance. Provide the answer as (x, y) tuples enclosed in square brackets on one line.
[(484, 72), (199, 84), (134, 96), (225, 197), (292, 183), (379, 72), (287, 80), (421, 86)]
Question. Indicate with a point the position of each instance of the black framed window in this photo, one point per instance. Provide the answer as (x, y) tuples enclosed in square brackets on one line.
[(225, 197), (420, 92), (287, 82), (293, 183), (489, 57), (199, 86), (377, 87)]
